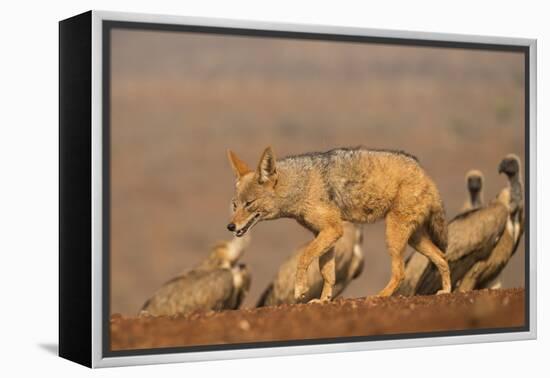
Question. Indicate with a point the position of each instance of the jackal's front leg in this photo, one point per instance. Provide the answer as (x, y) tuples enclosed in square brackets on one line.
[(319, 246), (327, 266)]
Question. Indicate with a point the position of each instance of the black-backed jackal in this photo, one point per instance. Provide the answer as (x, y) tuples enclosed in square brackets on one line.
[(322, 190)]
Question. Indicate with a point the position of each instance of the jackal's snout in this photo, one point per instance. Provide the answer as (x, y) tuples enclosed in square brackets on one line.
[(241, 228)]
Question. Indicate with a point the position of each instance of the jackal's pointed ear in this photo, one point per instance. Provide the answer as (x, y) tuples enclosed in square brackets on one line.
[(239, 167), (266, 168)]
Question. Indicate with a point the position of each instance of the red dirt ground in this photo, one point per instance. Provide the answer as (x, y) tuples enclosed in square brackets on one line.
[(341, 318)]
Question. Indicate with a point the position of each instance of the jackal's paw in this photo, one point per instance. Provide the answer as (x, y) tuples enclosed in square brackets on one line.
[(442, 292)]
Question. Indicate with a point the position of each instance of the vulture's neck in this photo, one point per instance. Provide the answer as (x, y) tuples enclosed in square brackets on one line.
[(516, 191), (475, 198)]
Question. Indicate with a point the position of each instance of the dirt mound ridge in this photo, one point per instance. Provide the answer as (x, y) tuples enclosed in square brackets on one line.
[(340, 318)]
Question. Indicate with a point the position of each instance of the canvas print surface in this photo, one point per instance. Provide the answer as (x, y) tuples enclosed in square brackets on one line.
[(268, 189)]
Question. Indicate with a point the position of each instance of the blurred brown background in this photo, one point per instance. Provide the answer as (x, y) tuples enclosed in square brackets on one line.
[(179, 100)]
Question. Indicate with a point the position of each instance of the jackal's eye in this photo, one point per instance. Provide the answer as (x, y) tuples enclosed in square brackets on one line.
[(248, 203), (234, 205)]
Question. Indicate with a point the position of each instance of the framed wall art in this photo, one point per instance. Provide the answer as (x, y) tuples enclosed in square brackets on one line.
[(237, 188)]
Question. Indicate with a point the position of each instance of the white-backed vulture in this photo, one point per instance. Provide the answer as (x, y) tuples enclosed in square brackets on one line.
[(483, 273), (349, 265), (475, 257), (216, 284)]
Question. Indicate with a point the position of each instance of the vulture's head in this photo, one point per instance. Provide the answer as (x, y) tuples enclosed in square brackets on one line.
[(510, 165), (474, 181), (226, 254)]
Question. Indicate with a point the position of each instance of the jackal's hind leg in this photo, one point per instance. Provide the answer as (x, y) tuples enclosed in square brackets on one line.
[(327, 266), (397, 236), (423, 244)]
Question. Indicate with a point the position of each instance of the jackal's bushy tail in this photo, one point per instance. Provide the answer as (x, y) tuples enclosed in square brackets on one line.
[(437, 227)]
